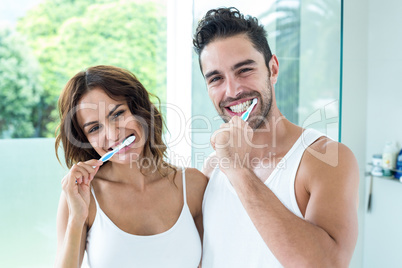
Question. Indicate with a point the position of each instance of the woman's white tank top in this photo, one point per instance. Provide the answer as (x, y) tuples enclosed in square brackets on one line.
[(108, 246), (230, 237)]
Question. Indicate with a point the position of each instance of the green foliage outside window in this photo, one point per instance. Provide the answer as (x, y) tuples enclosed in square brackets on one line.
[(67, 36), (19, 86)]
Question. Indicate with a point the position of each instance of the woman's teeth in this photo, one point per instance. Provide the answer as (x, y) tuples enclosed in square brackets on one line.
[(241, 107)]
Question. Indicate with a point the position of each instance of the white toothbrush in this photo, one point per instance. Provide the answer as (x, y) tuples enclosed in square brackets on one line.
[(125, 143), (248, 111)]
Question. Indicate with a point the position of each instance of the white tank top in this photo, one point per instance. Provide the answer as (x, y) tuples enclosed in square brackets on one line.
[(108, 246), (230, 237)]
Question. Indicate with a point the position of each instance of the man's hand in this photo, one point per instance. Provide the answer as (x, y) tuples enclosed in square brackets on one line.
[(233, 143)]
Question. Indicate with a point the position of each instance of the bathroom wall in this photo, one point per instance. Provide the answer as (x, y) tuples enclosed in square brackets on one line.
[(371, 107), (383, 238)]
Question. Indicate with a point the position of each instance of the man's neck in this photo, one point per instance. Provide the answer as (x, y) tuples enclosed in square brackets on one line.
[(274, 137)]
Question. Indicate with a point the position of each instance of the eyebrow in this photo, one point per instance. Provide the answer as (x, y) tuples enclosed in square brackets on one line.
[(89, 123), (208, 75), (114, 109), (236, 66), (110, 113), (240, 64)]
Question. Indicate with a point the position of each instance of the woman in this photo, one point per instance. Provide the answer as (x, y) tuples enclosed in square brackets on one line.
[(135, 210)]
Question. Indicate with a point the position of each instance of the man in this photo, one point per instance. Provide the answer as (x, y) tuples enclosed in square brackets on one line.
[(278, 195)]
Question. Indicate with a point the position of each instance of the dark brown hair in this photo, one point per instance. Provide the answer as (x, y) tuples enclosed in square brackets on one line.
[(118, 84), (227, 22)]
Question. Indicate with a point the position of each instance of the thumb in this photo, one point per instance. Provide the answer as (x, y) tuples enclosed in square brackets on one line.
[(212, 141), (213, 145)]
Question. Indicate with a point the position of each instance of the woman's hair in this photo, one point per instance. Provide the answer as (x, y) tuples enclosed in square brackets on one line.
[(227, 22), (118, 84)]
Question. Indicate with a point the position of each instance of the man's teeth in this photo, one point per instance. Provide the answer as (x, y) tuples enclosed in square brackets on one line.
[(241, 107)]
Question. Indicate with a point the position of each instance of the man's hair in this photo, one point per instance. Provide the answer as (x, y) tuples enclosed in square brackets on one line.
[(227, 22)]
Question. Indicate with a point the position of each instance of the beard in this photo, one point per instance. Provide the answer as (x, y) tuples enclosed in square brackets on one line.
[(258, 118)]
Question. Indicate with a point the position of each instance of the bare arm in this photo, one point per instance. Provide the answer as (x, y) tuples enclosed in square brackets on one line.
[(328, 177), (196, 184), (328, 234), (72, 214), (71, 235)]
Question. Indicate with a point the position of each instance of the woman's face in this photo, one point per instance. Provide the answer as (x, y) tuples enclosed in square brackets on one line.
[(107, 123)]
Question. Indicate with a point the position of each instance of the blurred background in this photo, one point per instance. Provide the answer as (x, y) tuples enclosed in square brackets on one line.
[(340, 66)]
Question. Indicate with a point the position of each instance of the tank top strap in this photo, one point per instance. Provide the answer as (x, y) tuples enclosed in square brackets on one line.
[(309, 136), (183, 171), (93, 194)]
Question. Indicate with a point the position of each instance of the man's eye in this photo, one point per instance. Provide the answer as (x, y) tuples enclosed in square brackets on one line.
[(244, 70), (214, 79)]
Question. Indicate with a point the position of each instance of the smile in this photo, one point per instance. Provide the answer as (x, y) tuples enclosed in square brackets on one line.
[(241, 107), (117, 145)]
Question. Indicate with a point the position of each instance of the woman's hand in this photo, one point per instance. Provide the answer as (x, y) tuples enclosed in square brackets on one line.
[(77, 189)]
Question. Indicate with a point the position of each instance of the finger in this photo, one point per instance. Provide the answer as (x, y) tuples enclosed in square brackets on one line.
[(213, 145), (225, 125), (76, 174), (79, 180), (91, 177), (86, 180), (238, 122), (64, 182), (93, 162), (89, 167), (213, 139), (235, 120)]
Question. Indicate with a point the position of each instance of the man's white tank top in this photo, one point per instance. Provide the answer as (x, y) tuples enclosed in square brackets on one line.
[(108, 246), (230, 237)]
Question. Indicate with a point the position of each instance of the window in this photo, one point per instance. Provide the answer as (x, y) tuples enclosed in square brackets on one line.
[(54, 39), (305, 36), (42, 44)]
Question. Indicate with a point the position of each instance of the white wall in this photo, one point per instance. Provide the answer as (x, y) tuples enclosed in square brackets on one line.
[(354, 99), (383, 238), (384, 75), (372, 105), (178, 106)]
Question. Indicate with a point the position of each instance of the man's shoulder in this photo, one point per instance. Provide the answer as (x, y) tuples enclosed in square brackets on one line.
[(327, 160), (210, 164), (325, 151)]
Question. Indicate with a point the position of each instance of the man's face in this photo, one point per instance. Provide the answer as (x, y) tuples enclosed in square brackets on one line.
[(235, 73)]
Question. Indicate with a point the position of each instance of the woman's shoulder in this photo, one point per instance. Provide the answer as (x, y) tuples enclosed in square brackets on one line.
[(195, 178), (195, 175), (196, 183)]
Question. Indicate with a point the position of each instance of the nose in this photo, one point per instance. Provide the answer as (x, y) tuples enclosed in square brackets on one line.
[(112, 133), (233, 88)]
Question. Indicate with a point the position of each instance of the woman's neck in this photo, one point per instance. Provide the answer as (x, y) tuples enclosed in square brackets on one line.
[(135, 173)]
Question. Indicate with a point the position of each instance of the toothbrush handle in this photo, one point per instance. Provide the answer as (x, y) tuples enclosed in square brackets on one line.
[(245, 115), (107, 156)]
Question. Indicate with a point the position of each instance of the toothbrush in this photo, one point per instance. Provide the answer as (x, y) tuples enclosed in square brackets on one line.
[(125, 143), (246, 114), (109, 155)]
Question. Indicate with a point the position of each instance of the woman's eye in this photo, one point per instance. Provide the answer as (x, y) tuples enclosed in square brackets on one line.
[(118, 114), (93, 129)]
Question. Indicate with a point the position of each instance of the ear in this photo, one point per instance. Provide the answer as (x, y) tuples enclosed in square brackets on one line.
[(274, 69)]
